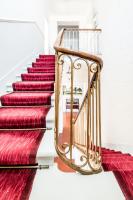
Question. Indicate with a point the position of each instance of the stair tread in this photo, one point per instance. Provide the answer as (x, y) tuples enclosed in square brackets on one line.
[(22, 146), (38, 77), (23, 117), (26, 98), (34, 85)]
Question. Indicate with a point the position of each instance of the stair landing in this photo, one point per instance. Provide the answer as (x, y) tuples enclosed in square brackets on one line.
[(67, 186)]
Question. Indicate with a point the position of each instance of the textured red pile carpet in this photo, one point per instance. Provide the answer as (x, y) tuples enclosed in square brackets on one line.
[(33, 86), (19, 147), (26, 99), (38, 77), (47, 56), (23, 117), (122, 167), (41, 70), (43, 64), (16, 184), (52, 61)]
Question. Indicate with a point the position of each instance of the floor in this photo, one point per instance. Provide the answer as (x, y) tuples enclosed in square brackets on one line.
[(52, 184)]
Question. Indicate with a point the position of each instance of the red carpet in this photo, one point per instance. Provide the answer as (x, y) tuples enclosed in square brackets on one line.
[(41, 70), (26, 99), (38, 77), (47, 56), (122, 167), (33, 86), (43, 64), (19, 147), (125, 180), (16, 184), (28, 117), (47, 59)]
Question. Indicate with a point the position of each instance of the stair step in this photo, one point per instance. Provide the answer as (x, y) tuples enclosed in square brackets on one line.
[(22, 118), (26, 99), (40, 70), (42, 64), (19, 147), (33, 86), (46, 60), (38, 77), (46, 56)]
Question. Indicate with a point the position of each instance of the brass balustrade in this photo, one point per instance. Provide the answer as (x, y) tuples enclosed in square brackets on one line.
[(84, 128)]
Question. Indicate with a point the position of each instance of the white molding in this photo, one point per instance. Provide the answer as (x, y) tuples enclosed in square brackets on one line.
[(23, 22), (29, 57), (17, 21)]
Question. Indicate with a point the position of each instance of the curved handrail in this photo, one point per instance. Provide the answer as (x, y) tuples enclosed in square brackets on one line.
[(89, 115), (81, 54)]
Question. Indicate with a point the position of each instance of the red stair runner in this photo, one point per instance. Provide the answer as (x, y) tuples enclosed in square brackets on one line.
[(26, 99), (33, 86), (16, 184), (47, 56), (40, 70), (23, 117), (43, 64), (19, 147), (38, 77), (48, 60)]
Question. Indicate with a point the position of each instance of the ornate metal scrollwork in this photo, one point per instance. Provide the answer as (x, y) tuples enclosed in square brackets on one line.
[(94, 67), (89, 161), (77, 63)]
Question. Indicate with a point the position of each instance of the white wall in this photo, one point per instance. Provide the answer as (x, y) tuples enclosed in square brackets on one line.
[(23, 37), (28, 10), (115, 19), (20, 42), (73, 12), (31, 10)]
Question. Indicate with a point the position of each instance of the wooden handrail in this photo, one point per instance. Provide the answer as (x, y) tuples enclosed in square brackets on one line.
[(58, 48), (83, 29)]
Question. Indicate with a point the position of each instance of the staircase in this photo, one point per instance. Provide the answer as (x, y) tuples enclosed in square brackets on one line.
[(27, 118), (27, 122)]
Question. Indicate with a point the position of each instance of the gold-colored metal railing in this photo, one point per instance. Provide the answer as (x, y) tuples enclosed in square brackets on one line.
[(78, 133)]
